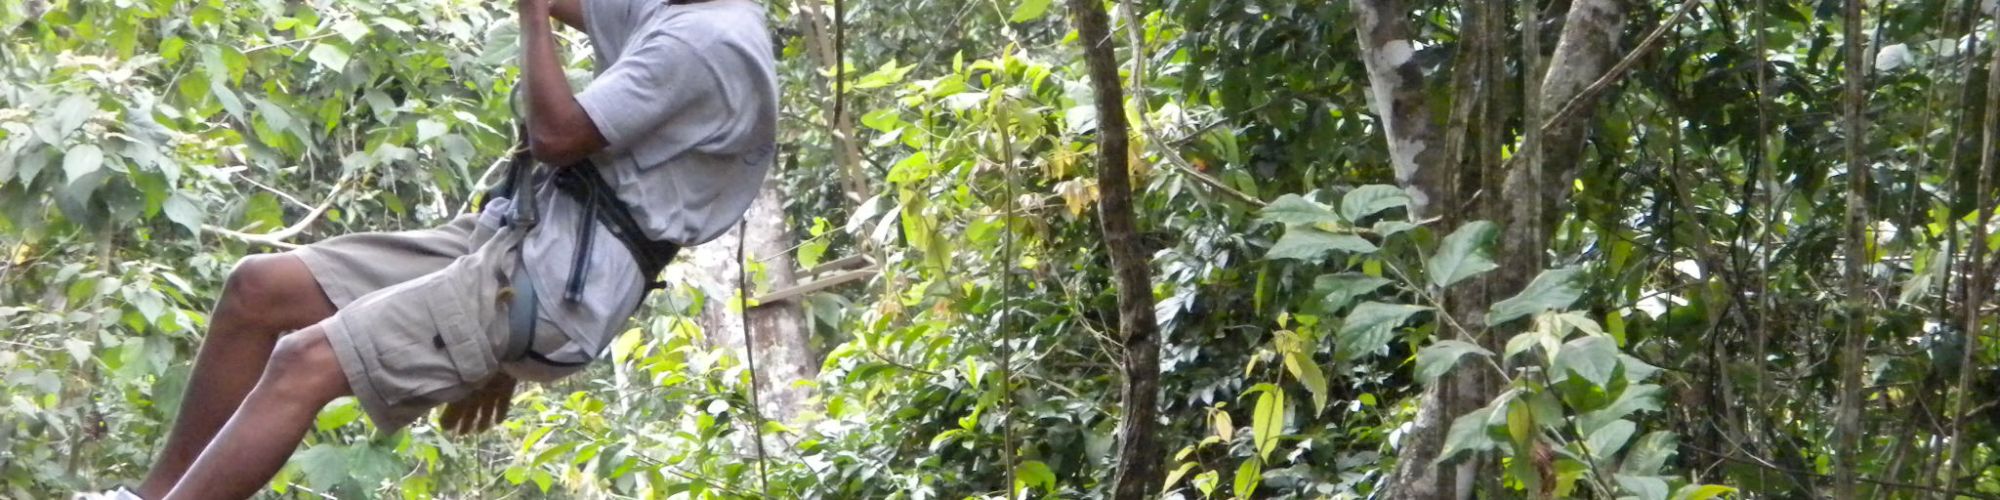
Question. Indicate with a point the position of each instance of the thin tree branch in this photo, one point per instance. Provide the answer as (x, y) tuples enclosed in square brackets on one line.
[(277, 238), (1653, 41), (1139, 99)]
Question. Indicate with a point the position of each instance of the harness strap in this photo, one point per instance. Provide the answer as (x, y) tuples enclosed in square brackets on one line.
[(521, 318)]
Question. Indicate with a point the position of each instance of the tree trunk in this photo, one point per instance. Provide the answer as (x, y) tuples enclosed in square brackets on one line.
[(1847, 419), (825, 39), (1531, 190), (1396, 94), (782, 347), (1138, 474)]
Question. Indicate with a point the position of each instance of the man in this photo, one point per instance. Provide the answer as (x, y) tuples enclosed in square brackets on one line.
[(671, 141)]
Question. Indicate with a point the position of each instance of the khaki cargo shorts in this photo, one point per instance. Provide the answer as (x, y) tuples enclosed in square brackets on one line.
[(422, 315)]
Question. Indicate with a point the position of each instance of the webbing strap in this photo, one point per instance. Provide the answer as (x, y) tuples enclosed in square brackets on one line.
[(521, 317)]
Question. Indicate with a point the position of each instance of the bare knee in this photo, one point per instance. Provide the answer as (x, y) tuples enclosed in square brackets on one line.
[(305, 366), (275, 291)]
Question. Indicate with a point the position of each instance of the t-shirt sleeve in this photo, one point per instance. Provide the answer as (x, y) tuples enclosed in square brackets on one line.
[(608, 19), (658, 79)]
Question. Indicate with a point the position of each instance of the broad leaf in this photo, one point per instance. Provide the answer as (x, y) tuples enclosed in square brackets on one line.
[(1308, 244), (1607, 440), (184, 212), (1649, 453), (1702, 491), (1034, 473), (1368, 200), (1341, 289), (82, 160), (1267, 420), (1553, 289), (1634, 398), (1463, 254), (1593, 358), (1176, 475), (1438, 358), (1292, 209), (1370, 326), (332, 57), (1643, 487), (1298, 359), (1467, 434), (1028, 10), (1247, 477)]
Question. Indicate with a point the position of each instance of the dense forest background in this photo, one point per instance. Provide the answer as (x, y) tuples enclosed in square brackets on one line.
[(1388, 248)]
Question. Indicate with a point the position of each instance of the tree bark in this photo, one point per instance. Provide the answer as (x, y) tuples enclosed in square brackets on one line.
[(825, 39), (783, 349), (1977, 284), (1138, 474), (1396, 94), (1530, 190), (1847, 421), (1536, 187)]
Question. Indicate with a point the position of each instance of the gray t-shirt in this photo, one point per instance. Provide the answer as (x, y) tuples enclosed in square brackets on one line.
[(687, 97)]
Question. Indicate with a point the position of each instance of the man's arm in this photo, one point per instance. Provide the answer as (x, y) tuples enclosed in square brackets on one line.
[(569, 12), (560, 133)]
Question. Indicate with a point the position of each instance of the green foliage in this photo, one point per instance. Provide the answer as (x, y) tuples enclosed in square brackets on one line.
[(1683, 330)]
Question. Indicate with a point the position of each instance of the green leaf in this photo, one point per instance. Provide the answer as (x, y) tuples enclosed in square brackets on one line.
[(1643, 487), (1205, 482), (183, 211), (1370, 199), (1028, 10), (351, 29), (1034, 473), (1267, 420), (1299, 362), (428, 129), (1340, 289), (1593, 358), (1467, 434), (1607, 440), (911, 168), (1387, 228), (1438, 358), (1292, 209), (325, 465), (1247, 477), (1370, 326), (82, 160), (1553, 289), (333, 58), (1649, 453), (1176, 475), (1634, 398), (1702, 491), (1463, 254), (1309, 244), (342, 412), (622, 348)]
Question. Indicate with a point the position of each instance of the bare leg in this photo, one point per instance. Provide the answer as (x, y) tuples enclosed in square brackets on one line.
[(266, 295), (303, 376)]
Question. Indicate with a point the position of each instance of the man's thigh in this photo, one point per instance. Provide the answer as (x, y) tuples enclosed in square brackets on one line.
[(351, 266), (429, 340)]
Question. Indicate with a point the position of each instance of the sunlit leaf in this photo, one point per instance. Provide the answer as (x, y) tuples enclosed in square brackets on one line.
[(1367, 200), (1553, 289), (1370, 326), (1438, 358), (1308, 244), (1463, 254), (1028, 10)]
